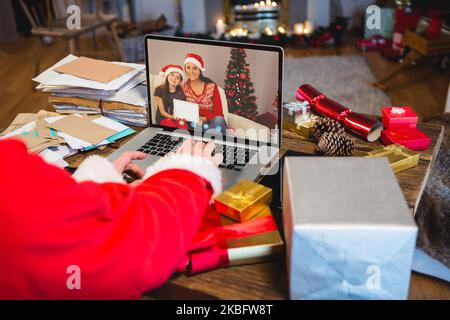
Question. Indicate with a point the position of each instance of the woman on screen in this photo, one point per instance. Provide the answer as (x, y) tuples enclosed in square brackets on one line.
[(203, 91), (165, 93)]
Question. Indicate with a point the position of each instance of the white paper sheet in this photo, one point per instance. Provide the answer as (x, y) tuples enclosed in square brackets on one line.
[(52, 78), (53, 158), (186, 110), (63, 150), (136, 96)]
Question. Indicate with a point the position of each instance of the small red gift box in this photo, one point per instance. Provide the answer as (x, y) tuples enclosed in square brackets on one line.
[(411, 138), (399, 117), (222, 242)]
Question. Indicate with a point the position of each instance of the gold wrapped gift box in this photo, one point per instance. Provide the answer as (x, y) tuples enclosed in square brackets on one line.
[(399, 157), (304, 128), (243, 201)]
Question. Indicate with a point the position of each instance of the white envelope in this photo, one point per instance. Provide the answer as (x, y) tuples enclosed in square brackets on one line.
[(52, 78), (186, 110)]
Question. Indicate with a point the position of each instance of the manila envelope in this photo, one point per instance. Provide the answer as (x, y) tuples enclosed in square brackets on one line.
[(36, 144), (24, 118), (20, 120), (83, 128), (93, 69)]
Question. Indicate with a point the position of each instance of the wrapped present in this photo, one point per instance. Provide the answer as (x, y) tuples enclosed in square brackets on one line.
[(296, 112), (399, 117), (303, 127), (366, 127), (411, 138), (348, 230), (221, 242), (243, 201), (399, 157)]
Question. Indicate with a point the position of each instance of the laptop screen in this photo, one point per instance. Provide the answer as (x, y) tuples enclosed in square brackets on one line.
[(216, 87)]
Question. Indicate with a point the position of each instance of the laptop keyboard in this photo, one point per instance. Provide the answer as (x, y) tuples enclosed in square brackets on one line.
[(161, 144), (234, 158)]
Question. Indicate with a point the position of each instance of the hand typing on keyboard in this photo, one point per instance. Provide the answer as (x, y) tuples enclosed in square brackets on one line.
[(124, 164), (200, 149)]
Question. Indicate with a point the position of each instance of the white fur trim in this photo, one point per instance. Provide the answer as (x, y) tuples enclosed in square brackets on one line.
[(97, 169), (194, 61), (170, 70), (198, 165)]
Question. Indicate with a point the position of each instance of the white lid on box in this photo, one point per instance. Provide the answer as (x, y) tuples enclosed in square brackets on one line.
[(359, 192)]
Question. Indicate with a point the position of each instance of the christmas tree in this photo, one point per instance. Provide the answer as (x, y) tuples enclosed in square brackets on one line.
[(238, 86)]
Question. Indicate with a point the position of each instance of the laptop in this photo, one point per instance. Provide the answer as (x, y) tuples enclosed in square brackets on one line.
[(250, 135)]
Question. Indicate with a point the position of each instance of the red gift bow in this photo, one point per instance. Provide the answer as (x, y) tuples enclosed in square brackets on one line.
[(209, 248), (366, 127)]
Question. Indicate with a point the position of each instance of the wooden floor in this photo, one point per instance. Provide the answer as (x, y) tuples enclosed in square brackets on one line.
[(17, 69), (424, 88)]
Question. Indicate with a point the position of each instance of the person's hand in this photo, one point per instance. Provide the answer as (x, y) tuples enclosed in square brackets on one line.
[(174, 118), (201, 120), (200, 149), (125, 162)]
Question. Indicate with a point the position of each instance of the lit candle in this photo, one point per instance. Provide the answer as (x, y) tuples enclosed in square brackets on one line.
[(281, 30), (309, 27), (220, 27), (274, 4), (262, 3), (298, 28), (268, 31)]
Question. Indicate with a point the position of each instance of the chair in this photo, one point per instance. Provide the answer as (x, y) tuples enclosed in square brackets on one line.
[(48, 20), (233, 121)]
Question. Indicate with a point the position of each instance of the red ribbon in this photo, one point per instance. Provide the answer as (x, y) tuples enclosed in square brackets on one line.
[(209, 248), (366, 127)]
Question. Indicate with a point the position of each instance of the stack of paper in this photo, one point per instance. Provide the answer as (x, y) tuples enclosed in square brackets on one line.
[(57, 137), (89, 86)]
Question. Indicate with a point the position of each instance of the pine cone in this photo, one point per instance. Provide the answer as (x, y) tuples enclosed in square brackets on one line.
[(334, 145), (324, 125)]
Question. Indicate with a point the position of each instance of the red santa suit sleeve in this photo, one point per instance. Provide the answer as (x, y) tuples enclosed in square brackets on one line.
[(90, 235)]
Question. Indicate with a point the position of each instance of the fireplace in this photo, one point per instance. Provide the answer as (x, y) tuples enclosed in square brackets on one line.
[(255, 16)]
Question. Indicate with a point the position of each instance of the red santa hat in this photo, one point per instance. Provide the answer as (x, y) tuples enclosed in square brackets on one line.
[(171, 68), (196, 60)]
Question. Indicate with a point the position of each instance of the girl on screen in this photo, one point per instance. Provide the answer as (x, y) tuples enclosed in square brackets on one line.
[(166, 92)]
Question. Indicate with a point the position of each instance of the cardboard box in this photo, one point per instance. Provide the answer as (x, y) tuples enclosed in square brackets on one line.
[(349, 232)]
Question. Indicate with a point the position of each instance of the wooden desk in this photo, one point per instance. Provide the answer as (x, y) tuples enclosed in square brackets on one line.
[(269, 280)]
